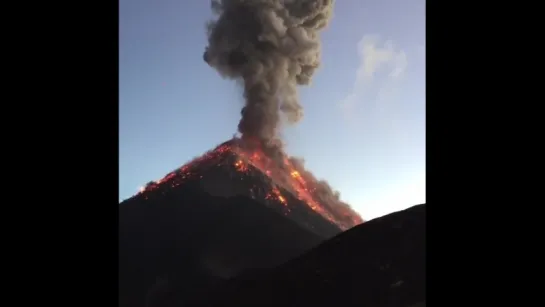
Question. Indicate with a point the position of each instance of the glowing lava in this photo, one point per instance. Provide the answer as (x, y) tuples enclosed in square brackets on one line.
[(298, 182)]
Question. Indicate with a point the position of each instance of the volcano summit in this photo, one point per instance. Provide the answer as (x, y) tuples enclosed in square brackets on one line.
[(238, 168)]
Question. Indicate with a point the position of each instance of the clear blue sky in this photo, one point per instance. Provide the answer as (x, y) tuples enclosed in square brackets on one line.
[(364, 124)]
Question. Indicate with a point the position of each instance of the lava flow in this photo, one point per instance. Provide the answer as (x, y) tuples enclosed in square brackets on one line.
[(290, 177)]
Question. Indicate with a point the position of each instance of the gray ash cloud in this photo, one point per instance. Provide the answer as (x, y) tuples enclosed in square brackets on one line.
[(271, 46)]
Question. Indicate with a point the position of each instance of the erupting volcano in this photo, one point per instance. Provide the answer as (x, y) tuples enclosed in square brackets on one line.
[(245, 204), (270, 47), (278, 182), (229, 211)]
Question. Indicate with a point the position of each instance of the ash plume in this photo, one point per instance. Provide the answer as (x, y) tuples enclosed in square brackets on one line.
[(271, 46)]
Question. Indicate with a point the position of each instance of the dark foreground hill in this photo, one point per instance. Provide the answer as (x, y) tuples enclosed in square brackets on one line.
[(379, 263), (189, 240)]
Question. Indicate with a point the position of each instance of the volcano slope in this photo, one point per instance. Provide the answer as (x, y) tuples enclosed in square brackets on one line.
[(379, 263), (207, 222)]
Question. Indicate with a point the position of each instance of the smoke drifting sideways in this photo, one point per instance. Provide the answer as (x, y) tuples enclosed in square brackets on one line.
[(271, 47)]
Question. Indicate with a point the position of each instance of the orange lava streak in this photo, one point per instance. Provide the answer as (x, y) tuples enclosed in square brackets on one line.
[(275, 193), (294, 181)]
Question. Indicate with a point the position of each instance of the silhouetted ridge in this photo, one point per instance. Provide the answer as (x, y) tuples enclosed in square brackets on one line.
[(379, 263)]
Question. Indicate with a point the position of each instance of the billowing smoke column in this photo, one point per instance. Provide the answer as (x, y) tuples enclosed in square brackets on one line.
[(271, 46)]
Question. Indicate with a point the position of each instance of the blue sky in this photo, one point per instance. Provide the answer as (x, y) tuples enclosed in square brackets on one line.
[(364, 124)]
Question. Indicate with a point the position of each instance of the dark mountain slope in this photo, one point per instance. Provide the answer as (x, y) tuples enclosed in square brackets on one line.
[(378, 263), (191, 239)]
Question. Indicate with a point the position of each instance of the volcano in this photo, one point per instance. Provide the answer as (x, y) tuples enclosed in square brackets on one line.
[(232, 210), (238, 167)]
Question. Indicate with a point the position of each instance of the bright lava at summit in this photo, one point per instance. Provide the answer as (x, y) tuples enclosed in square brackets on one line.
[(287, 177)]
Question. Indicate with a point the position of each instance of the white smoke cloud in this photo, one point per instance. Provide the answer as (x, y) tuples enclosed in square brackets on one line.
[(380, 67)]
